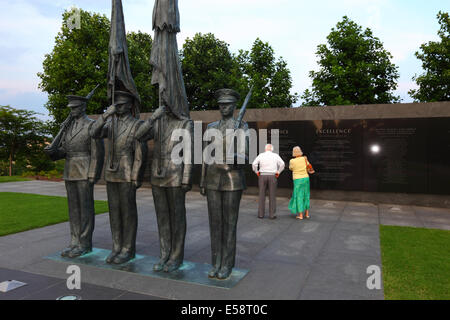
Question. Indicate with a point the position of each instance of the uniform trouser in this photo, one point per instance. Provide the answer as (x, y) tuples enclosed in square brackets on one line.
[(80, 196), (122, 216), (171, 217), (270, 182), (223, 211)]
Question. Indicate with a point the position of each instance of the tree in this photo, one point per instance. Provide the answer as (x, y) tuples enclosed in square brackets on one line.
[(79, 61), (22, 135), (139, 50), (270, 76), (354, 69), (208, 66), (434, 84)]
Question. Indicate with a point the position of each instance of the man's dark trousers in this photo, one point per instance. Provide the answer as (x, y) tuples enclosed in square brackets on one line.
[(270, 182)]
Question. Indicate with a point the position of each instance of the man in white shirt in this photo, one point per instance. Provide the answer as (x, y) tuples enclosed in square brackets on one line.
[(268, 166)]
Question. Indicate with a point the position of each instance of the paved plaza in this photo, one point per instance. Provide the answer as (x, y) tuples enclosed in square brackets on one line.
[(325, 257)]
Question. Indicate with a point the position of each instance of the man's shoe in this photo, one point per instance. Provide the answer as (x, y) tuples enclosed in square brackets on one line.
[(274, 217), (213, 272), (66, 251), (123, 257), (171, 266), (78, 251), (224, 273), (260, 217)]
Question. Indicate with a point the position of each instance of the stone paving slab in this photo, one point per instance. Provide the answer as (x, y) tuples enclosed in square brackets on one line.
[(40, 287), (325, 257)]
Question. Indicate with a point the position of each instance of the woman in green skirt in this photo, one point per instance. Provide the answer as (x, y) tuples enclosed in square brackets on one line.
[(299, 203)]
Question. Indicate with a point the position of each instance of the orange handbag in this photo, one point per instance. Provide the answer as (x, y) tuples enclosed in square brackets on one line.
[(309, 167)]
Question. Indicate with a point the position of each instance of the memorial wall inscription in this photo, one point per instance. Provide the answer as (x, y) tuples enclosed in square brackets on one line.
[(408, 155)]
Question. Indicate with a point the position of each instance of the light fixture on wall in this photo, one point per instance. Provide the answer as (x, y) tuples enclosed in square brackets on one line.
[(375, 149)]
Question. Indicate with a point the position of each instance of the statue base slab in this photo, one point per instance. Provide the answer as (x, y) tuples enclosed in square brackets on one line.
[(190, 272)]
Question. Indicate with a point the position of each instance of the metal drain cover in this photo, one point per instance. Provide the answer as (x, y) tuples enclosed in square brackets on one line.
[(70, 297), (10, 285)]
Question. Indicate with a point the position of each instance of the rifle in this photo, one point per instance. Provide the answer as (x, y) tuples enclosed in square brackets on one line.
[(238, 124), (53, 149), (243, 109)]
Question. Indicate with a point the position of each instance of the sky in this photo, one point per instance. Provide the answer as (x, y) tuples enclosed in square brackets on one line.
[(294, 29)]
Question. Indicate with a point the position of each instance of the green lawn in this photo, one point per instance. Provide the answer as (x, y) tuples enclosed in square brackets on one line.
[(22, 211), (416, 263), (12, 179)]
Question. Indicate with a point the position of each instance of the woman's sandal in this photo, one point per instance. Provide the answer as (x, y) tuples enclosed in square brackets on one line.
[(299, 218)]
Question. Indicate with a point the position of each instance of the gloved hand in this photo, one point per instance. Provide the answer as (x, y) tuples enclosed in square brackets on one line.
[(137, 184), (186, 187)]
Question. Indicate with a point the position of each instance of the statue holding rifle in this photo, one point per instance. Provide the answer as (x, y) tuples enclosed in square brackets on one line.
[(223, 182), (84, 162)]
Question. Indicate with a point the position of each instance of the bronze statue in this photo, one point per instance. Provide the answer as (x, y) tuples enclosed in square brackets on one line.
[(223, 184), (124, 172), (170, 180), (84, 162)]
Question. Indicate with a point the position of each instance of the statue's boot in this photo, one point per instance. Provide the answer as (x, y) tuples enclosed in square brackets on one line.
[(224, 273), (213, 272), (111, 256), (160, 265), (79, 251), (124, 256), (66, 251), (172, 266)]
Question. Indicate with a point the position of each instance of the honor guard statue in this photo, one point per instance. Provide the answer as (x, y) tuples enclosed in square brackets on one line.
[(223, 183), (124, 170), (84, 162), (170, 181)]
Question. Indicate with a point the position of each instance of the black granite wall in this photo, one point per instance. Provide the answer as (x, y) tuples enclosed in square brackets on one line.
[(413, 141)]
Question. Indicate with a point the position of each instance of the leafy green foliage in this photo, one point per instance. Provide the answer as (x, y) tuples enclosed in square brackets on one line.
[(270, 76), (354, 69), (139, 49), (208, 65), (434, 84), (79, 61), (22, 140)]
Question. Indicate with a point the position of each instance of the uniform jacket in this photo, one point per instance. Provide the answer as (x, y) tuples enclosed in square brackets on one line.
[(164, 171), (84, 155), (224, 177), (130, 155)]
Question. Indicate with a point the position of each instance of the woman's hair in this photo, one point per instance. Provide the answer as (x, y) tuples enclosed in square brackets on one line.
[(297, 151)]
